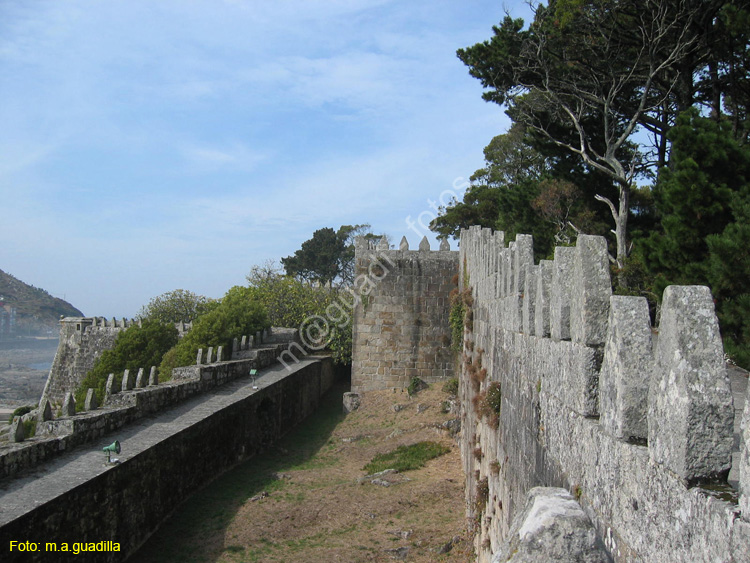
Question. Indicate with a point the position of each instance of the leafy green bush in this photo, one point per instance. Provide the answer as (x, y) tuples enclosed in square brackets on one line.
[(405, 458), (237, 314), (293, 303), (20, 411), (137, 347)]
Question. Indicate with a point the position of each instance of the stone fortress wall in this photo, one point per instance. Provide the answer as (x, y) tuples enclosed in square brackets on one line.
[(400, 320), (131, 396), (164, 460), (635, 421), (82, 341)]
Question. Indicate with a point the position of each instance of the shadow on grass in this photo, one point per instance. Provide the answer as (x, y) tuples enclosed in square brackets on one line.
[(195, 533)]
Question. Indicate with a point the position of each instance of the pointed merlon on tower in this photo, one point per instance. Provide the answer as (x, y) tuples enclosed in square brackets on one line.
[(424, 244), (404, 244), (383, 244)]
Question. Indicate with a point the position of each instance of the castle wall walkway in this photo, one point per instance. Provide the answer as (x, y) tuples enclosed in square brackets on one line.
[(77, 497)]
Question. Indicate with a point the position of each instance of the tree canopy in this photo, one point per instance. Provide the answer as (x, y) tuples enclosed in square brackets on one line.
[(629, 116), (606, 79), (328, 257), (179, 305)]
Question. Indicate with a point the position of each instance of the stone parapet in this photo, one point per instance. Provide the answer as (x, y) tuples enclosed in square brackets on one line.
[(640, 434), (125, 404), (82, 341)]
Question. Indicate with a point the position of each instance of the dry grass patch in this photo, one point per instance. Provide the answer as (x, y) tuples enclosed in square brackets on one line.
[(317, 508)]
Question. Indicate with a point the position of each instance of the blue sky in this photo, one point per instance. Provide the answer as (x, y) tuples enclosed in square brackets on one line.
[(148, 146)]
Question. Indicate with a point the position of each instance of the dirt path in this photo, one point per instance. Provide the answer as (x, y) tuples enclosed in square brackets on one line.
[(304, 502)]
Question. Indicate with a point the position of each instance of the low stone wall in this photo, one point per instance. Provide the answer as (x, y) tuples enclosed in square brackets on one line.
[(122, 408), (125, 502), (82, 341), (635, 421)]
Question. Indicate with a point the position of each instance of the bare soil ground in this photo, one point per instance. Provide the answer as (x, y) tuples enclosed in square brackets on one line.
[(305, 501)]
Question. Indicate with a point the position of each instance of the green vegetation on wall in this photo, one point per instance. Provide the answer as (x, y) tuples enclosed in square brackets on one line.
[(237, 314), (137, 347), (176, 306), (314, 309)]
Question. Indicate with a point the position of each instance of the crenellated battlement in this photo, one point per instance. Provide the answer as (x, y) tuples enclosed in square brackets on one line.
[(133, 394), (401, 308), (82, 341), (627, 416)]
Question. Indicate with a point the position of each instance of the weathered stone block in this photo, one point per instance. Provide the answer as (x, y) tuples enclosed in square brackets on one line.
[(69, 405), (551, 527), (153, 378), (109, 388), (91, 402), (626, 369), (45, 410), (745, 460), (541, 309), (17, 430), (741, 540), (140, 382), (351, 402), (522, 257), (529, 299), (560, 293), (127, 381), (690, 416), (590, 290)]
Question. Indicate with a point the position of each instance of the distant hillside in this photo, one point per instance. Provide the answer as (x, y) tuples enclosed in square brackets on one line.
[(37, 311)]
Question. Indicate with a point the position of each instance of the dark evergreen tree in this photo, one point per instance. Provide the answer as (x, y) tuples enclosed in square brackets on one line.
[(693, 198), (728, 275)]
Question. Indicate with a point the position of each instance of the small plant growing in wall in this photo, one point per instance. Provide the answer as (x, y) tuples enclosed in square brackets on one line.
[(415, 386), (488, 404), (481, 495), (495, 467), (577, 492), (461, 316), (29, 428)]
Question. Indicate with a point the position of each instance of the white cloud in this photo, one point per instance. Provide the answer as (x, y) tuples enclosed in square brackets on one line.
[(152, 145), (233, 157)]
